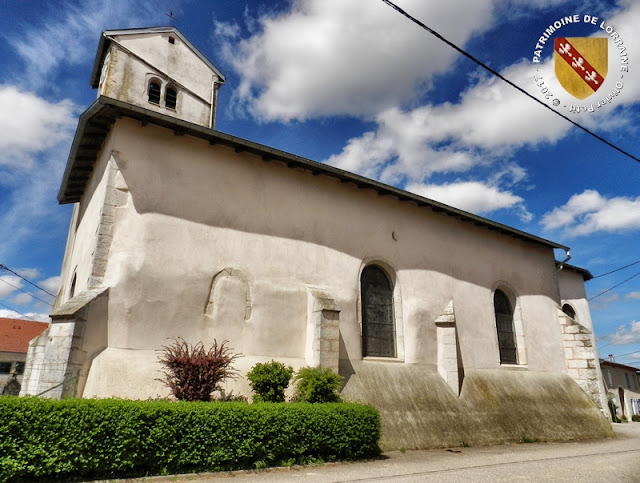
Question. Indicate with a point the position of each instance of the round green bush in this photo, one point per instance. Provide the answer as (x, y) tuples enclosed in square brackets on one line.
[(317, 385), (269, 380)]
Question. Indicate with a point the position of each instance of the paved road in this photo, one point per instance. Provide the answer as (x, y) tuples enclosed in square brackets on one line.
[(612, 460)]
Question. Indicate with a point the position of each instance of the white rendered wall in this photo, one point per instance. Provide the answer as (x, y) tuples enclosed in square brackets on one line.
[(83, 230), (194, 210), (137, 59)]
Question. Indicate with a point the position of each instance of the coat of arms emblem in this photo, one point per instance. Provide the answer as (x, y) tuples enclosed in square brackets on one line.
[(581, 64)]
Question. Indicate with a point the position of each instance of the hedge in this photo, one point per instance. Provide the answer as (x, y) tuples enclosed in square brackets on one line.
[(44, 439)]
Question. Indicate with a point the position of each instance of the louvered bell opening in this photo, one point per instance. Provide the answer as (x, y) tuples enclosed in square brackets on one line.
[(170, 98), (154, 92)]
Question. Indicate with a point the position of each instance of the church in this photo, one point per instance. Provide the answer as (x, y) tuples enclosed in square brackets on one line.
[(458, 329)]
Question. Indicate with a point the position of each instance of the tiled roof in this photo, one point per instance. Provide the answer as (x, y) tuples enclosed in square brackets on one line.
[(15, 334), (614, 364)]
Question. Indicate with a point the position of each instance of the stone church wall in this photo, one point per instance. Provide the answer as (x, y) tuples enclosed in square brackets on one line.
[(212, 243), (195, 211)]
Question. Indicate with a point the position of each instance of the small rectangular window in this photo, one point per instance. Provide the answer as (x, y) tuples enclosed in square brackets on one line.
[(5, 367), (19, 367), (626, 376), (172, 40)]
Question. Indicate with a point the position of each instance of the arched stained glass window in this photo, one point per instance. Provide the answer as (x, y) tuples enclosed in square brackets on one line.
[(378, 328), (504, 325)]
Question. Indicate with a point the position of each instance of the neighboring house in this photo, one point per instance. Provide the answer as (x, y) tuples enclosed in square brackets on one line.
[(15, 335), (623, 384), (457, 328)]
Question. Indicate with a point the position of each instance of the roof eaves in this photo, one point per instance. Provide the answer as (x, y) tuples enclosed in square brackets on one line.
[(612, 363), (72, 161), (119, 108), (586, 274)]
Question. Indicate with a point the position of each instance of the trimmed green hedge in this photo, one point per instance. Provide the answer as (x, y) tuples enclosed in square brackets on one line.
[(43, 439)]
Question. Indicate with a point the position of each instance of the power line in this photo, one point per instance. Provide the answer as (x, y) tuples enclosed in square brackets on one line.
[(500, 76), (22, 290), (617, 269), (620, 327), (601, 346), (627, 354), (19, 313), (4, 267), (610, 289)]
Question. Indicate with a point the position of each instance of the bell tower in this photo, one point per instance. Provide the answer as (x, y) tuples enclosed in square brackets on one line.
[(160, 70)]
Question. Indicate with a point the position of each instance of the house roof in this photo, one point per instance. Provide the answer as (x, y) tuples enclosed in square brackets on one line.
[(106, 39), (617, 364), (586, 274), (15, 334), (94, 125)]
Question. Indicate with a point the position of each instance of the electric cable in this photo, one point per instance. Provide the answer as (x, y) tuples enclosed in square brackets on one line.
[(19, 313), (626, 354), (617, 269), (620, 327), (4, 267), (601, 346), (615, 286), (22, 290)]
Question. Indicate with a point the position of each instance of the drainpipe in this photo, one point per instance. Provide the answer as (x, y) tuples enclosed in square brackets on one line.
[(561, 264), (214, 102)]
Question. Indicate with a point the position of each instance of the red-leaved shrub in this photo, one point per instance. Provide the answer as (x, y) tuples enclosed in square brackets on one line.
[(192, 372)]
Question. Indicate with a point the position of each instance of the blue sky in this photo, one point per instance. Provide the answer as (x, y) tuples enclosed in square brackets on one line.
[(354, 84)]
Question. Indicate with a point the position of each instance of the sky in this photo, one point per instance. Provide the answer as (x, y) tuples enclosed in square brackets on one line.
[(354, 84)]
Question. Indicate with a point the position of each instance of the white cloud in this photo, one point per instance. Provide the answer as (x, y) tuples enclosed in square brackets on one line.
[(633, 296), (51, 284), (30, 125), (590, 212), (489, 123), (9, 284), (625, 334), (475, 197), (626, 20), (32, 157), (29, 273), (12, 314), (331, 57), (22, 299)]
